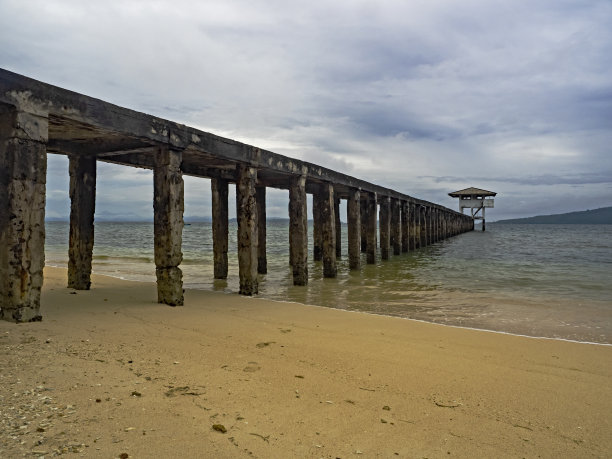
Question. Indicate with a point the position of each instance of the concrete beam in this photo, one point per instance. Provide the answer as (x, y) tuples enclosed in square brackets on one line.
[(262, 259), (338, 227)]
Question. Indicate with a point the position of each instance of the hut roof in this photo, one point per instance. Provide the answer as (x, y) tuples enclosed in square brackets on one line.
[(471, 192)]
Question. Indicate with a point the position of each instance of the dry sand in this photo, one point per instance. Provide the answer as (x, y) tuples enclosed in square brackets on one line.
[(109, 373)]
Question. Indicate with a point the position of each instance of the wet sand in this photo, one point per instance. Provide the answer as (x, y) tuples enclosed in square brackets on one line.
[(110, 373)]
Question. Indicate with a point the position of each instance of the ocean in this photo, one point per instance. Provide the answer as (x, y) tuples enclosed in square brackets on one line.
[(552, 281)]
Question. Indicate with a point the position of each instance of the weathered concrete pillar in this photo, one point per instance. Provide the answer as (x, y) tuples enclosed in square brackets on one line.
[(396, 227), (371, 227), (23, 169), (168, 207), (317, 224), (298, 230), (338, 227), (353, 212), (262, 259), (363, 204), (220, 229), (246, 212), (384, 222), (328, 230), (423, 227), (82, 170), (405, 217), (434, 223), (412, 242)]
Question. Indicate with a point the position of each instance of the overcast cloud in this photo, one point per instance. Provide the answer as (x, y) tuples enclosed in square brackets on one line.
[(426, 97)]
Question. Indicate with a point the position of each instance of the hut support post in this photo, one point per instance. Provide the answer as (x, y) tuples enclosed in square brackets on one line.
[(246, 211), (23, 170), (298, 230), (328, 230), (168, 207), (220, 227), (82, 171), (353, 211)]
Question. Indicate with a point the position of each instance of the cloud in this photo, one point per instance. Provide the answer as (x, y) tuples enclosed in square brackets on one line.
[(418, 96)]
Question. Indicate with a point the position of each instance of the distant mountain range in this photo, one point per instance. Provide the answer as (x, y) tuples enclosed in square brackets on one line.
[(602, 216)]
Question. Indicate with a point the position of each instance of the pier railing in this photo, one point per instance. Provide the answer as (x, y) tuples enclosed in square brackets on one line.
[(38, 118)]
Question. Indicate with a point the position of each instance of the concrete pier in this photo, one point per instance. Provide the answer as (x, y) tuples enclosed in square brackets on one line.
[(37, 119), (364, 224), (246, 212), (220, 226), (328, 230), (353, 211), (23, 173), (338, 228), (405, 218), (371, 228), (298, 230), (384, 226), (262, 258), (168, 207), (82, 170), (396, 228)]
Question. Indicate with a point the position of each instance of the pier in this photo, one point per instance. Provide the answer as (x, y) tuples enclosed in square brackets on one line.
[(38, 118)]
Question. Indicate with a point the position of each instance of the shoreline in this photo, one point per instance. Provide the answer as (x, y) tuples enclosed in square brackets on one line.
[(109, 372), (503, 332)]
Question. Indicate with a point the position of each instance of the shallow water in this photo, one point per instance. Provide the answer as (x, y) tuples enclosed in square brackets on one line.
[(537, 280)]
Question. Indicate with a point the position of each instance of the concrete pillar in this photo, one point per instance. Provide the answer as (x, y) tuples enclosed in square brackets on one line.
[(396, 227), (82, 171), (338, 228), (363, 204), (298, 230), (328, 230), (317, 224), (412, 226), (168, 207), (246, 212), (434, 223), (220, 228), (371, 227), (423, 226), (384, 223), (23, 169), (405, 217), (353, 212), (262, 259)]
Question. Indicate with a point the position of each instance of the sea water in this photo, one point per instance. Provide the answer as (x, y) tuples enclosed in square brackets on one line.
[(550, 281)]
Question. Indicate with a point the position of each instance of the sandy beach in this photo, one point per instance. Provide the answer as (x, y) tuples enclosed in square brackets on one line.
[(111, 373)]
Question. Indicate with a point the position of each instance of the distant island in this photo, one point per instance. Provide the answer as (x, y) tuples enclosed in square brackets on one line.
[(602, 216)]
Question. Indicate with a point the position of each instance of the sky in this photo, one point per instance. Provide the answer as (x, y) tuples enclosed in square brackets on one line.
[(425, 97)]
